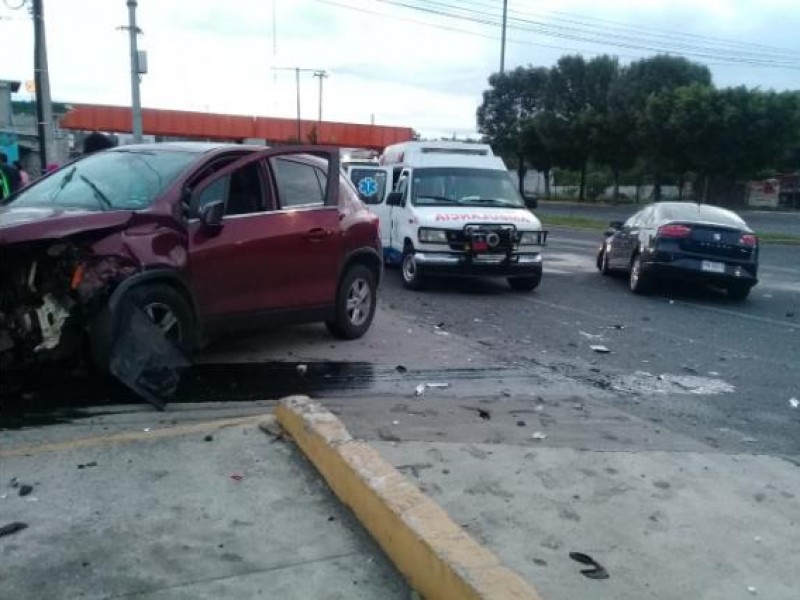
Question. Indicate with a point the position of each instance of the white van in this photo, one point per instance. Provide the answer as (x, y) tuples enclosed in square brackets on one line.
[(451, 208)]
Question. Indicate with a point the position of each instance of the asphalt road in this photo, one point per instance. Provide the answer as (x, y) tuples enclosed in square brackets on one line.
[(787, 222), (714, 370)]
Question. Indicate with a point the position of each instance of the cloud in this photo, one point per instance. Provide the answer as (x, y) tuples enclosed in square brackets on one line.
[(406, 68)]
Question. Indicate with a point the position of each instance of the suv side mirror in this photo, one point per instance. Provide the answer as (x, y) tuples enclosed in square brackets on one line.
[(211, 213), (395, 199)]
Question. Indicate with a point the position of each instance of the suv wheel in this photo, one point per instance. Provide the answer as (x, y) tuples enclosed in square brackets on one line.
[(355, 303), (413, 277), (639, 280), (164, 305)]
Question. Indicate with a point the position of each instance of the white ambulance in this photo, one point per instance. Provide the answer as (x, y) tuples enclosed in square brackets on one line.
[(451, 209)]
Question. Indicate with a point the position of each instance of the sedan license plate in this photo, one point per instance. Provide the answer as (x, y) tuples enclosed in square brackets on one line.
[(712, 267)]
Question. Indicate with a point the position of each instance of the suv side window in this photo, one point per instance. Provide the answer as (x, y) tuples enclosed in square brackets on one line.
[(298, 183), (241, 191)]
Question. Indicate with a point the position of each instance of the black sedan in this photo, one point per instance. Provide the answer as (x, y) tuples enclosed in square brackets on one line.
[(684, 241)]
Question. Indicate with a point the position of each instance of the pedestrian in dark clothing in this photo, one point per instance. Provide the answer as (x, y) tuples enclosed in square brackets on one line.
[(96, 141), (9, 178)]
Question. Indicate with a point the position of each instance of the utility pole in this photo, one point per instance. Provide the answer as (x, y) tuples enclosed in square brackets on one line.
[(503, 37), (136, 102), (297, 71), (322, 74), (44, 108)]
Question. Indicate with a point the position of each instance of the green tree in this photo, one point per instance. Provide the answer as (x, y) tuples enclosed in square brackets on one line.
[(577, 103), (731, 133), (536, 149), (512, 99), (645, 81)]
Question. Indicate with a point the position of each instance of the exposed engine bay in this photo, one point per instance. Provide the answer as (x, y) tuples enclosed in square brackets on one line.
[(49, 292)]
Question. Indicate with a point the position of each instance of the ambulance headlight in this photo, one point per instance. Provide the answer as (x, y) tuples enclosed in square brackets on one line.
[(432, 236), (531, 238)]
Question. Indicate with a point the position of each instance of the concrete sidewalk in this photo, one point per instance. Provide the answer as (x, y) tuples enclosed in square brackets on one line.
[(670, 518), (238, 516)]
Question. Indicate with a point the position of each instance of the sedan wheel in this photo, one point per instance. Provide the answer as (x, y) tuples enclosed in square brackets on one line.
[(605, 269), (639, 280)]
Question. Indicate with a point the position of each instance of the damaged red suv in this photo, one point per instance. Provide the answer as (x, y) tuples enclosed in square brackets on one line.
[(202, 238)]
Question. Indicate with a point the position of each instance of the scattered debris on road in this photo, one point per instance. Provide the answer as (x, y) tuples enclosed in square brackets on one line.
[(794, 402), (596, 572), (690, 370), (590, 336), (752, 589), (302, 369), (24, 490), (520, 423), (482, 413), (208, 438), (420, 389), (401, 369), (539, 435), (87, 465), (237, 477), (12, 528), (600, 349)]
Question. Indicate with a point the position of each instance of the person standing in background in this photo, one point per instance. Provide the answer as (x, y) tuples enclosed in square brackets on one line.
[(24, 178), (9, 178)]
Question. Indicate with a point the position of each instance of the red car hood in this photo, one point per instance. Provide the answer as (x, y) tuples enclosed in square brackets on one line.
[(28, 224)]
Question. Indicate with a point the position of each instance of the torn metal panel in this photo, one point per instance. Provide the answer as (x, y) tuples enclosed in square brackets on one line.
[(143, 359)]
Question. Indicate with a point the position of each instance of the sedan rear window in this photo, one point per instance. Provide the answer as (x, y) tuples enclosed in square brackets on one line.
[(117, 180), (688, 211)]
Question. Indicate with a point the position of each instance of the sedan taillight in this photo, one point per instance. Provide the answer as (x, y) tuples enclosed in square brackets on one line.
[(749, 240), (674, 231)]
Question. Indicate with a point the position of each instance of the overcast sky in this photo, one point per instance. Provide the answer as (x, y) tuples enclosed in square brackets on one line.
[(405, 67)]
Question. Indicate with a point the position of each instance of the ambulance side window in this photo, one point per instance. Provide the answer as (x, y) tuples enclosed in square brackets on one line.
[(396, 177), (402, 186)]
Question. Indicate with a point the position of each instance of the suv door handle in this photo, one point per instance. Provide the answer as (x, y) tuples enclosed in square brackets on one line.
[(317, 234)]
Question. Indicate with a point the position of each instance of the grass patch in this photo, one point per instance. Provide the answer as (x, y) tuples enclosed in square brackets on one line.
[(588, 224), (574, 222)]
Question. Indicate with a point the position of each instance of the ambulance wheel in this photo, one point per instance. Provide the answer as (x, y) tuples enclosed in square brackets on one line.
[(413, 277), (525, 284)]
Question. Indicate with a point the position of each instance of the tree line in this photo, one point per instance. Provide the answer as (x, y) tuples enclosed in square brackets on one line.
[(660, 115)]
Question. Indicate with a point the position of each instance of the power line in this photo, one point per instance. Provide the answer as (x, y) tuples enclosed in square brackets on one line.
[(457, 29), (483, 7), (580, 35), (763, 50)]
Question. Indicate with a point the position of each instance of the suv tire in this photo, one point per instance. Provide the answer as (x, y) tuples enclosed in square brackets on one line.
[(162, 303), (356, 299)]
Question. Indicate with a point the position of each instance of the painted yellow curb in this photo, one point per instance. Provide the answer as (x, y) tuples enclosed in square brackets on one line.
[(439, 560), (133, 436)]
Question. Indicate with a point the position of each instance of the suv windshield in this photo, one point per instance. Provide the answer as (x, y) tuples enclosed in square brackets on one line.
[(117, 180), (464, 187)]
